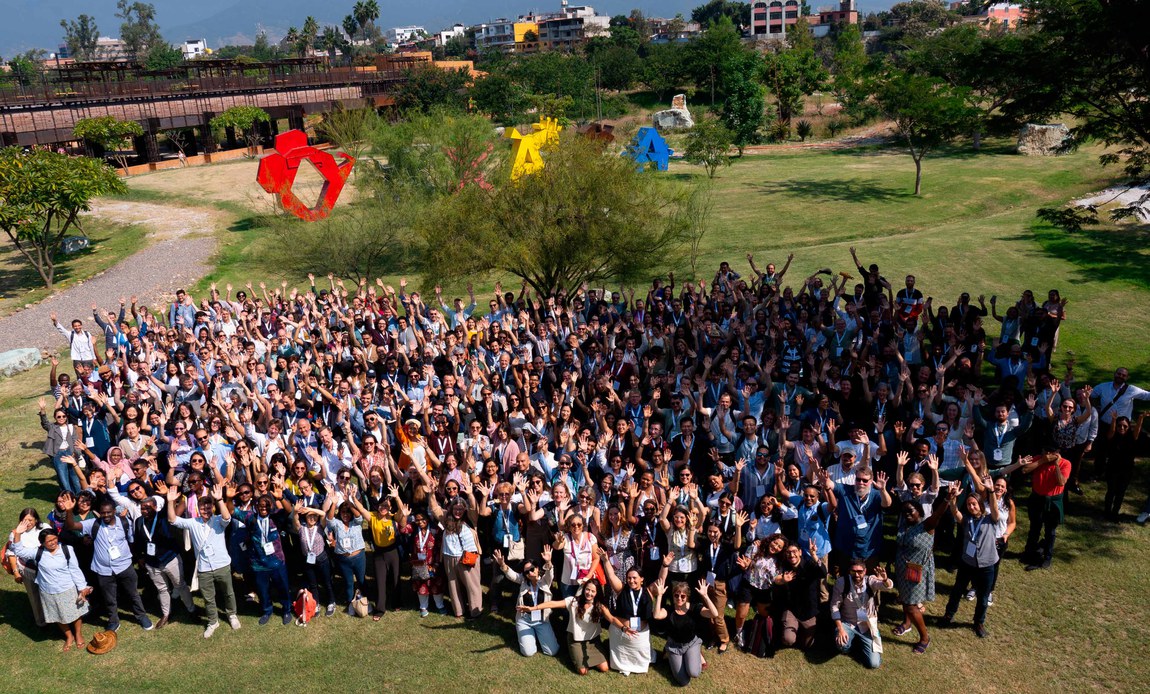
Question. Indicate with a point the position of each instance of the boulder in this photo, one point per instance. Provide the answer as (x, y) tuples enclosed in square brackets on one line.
[(15, 361), (673, 119), (1042, 140)]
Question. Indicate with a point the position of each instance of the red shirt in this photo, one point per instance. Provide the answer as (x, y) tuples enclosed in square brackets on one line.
[(1045, 479)]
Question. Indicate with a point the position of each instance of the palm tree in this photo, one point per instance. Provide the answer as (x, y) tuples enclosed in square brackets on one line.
[(292, 39), (350, 26), (332, 42), (360, 14), (308, 35)]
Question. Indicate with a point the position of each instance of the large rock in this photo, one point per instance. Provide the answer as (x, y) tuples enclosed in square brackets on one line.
[(673, 119), (15, 361), (1042, 140)]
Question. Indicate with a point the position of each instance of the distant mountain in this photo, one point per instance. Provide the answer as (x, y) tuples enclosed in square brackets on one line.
[(36, 23)]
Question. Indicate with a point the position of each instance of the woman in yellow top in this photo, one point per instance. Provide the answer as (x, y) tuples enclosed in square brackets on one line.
[(385, 537)]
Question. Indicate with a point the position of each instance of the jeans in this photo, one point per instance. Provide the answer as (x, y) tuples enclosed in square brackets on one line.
[(221, 580), (168, 579), (318, 577), (529, 633), (67, 477), (353, 568), (981, 579), (1044, 517), (869, 656), (685, 660), (264, 581), (109, 587)]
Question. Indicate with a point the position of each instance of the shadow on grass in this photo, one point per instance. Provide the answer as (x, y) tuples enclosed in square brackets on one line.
[(17, 613), (1101, 255), (841, 190)]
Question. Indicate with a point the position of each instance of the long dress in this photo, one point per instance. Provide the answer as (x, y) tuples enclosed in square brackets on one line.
[(915, 546)]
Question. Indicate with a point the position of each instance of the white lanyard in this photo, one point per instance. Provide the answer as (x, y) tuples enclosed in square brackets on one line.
[(714, 555), (263, 524), (635, 597), (578, 548), (309, 538), (421, 539), (148, 531)]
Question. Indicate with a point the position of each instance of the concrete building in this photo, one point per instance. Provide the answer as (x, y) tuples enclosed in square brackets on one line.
[(509, 36), (398, 35), (194, 48), (442, 37), (572, 26), (1007, 15), (770, 18)]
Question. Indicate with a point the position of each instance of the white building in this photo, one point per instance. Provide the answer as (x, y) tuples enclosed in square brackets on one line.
[(398, 35), (194, 48), (442, 37)]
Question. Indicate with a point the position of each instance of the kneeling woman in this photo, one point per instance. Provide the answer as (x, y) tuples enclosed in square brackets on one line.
[(683, 622), (63, 589), (583, 629), (630, 619), (531, 626)]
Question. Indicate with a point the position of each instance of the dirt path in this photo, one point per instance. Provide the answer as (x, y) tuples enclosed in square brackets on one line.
[(874, 135), (181, 243)]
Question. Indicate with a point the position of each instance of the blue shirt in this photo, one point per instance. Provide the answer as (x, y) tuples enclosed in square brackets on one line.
[(56, 572), (112, 549), (859, 529)]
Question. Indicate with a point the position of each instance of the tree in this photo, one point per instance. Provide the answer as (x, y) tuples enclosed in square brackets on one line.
[(350, 129), (739, 13), (428, 86), (909, 21), (709, 52), (587, 217), (696, 217), (926, 111), (790, 74), (308, 35), (42, 194), (81, 36), (1088, 58), (618, 67), (664, 68), (333, 43), (849, 65), (138, 28), (110, 134), (499, 97), (708, 144), (245, 118), (365, 13), (262, 50), (434, 154), (742, 110), (26, 68), (163, 56), (350, 26)]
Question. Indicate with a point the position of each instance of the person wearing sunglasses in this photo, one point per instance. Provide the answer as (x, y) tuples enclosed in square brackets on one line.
[(683, 623), (854, 609), (532, 629)]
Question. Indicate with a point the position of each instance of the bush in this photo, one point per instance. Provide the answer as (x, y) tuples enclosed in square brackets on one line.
[(780, 131), (835, 126), (803, 129)]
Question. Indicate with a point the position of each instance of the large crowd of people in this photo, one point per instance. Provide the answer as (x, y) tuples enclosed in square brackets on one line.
[(737, 463)]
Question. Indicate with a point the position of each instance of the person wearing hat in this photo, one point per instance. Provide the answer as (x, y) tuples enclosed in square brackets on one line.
[(63, 590)]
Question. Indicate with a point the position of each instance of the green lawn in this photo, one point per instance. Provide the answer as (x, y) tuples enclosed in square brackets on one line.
[(1082, 625)]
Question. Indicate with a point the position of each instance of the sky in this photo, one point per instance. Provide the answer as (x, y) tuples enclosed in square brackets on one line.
[(36, 23)]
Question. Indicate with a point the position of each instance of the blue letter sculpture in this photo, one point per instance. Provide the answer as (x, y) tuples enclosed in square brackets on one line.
[(649, 147)]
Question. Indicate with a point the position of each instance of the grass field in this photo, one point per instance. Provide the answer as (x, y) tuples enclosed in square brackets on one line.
[(1081, 626)]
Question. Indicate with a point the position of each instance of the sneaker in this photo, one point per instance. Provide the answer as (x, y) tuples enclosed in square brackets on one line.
[(287, 618), (423, 613), (146, 624), (442, 610), (252, 597), (234, 622), (1142, 518), (990, 600), (211, 629), (1046, 563), (970, 595), (264, 619), (114, 627), (330, 609), (739, 640)]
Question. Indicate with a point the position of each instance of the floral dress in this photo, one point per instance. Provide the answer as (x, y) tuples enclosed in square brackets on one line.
[(915, 546)]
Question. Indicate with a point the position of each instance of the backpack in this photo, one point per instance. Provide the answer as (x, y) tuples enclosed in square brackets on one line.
[(35, 563), (304, 607), (758, 636), (123, 524)]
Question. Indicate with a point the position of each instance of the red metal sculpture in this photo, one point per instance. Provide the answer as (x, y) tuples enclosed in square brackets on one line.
[(278, 170)]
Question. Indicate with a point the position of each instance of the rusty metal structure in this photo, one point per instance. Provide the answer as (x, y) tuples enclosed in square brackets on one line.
[(185, 97)]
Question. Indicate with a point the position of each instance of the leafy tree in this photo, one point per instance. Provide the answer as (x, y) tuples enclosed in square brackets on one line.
[(710, 52), (664, 68), (262, 50), (739, 13), (708, 144), (926, 111), (163, 56), (849, 65), (42, 194), (110, 134), (81, 36), (308, 35), (436, 153), (457, 46), (913, 20), (618, 67), (499, 97), (26, 68), (742, 110), (138, 28), (365, 13), (791, 73), (350, 26), (428, 86), (333, 43), (587, 217), (350, 129), (244, 118)]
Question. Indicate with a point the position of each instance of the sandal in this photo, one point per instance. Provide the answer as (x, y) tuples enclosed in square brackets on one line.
[(723, 648), (377, 616), (901, 629), (921, 647)]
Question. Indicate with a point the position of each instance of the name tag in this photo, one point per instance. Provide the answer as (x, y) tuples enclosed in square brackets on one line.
[(861, 523), (421, 556), (113, 552), (150, 549), (89, 441), (507, 541), (787, 410), (760, 491), (536, 615), (310, 557), (710, 578), (971, 549), (998, 455), (636, 623), (655, 554), (269, 549), (345, 543)]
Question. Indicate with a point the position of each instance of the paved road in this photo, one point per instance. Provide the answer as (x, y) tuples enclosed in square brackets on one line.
[(179, 253)]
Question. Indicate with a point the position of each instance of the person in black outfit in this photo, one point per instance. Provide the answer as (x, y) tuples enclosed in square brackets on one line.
[(796, 596), (683, 623)]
